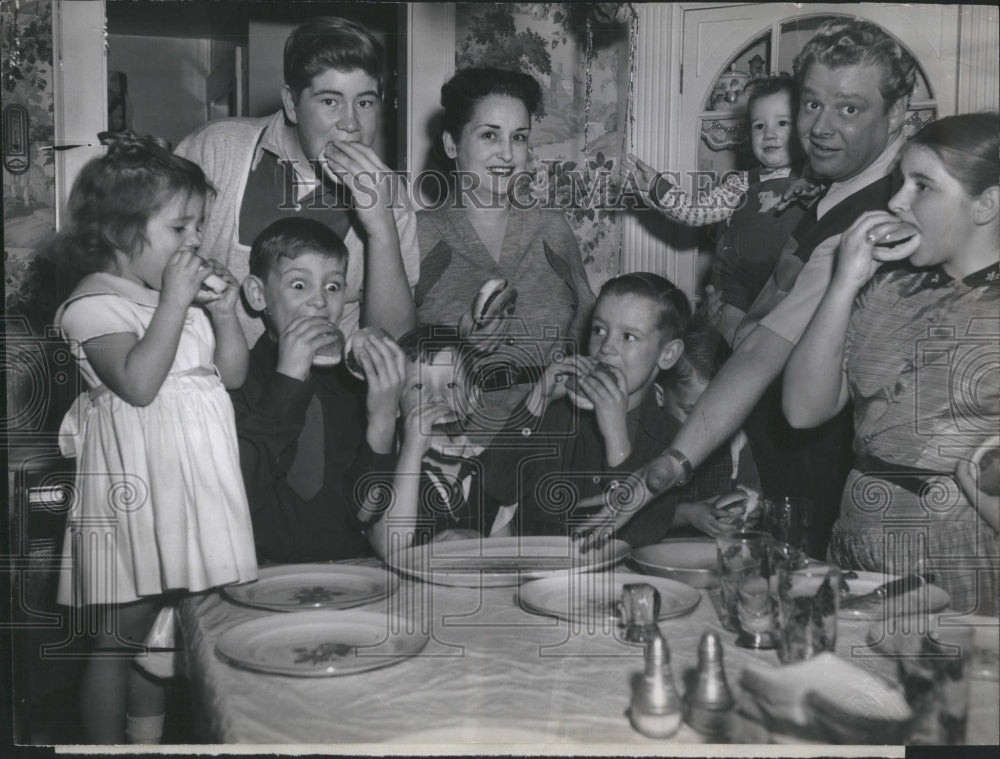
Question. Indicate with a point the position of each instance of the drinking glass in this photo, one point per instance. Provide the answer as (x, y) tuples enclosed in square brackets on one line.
[(935, 680), (807, 595), (788, 519), (744, 578)]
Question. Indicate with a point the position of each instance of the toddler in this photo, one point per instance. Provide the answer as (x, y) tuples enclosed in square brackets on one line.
[(160, 507), (754, 204)]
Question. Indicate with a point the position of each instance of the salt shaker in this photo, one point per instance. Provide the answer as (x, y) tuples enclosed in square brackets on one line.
[(656, 706), (710, 701)]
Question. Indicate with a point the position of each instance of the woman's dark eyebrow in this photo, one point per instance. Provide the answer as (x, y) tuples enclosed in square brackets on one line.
[(921, 176), (497, 127)]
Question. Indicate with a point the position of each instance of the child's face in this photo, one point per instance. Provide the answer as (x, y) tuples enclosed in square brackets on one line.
[(312, 284), (771, 127), (938, 205), (438, 382), (624, 334), (174, 227), (337, 105), (680, 398)]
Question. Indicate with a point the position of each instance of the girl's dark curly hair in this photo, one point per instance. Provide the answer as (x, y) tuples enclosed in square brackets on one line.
[(115, 195)]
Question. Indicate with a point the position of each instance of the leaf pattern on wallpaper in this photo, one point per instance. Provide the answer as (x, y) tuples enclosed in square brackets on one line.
[(549, 41)]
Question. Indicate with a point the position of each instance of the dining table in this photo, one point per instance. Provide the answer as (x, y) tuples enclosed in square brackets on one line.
[(491, 674)]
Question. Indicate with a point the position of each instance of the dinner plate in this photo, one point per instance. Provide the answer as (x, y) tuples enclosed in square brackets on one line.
[(297, 587), (318, 643), (693, 561), (502, 561), (926, 600), (594, 596)]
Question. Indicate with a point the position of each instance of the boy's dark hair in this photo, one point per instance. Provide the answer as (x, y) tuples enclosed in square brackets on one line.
[(673, 308), (330, 42), (705, 351), (772, 85), (461, 94), (291, 237)]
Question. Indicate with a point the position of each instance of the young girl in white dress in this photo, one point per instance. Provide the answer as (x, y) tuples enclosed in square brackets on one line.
[(160, 507)]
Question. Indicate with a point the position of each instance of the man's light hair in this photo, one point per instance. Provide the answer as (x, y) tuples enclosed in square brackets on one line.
[(850, 42)]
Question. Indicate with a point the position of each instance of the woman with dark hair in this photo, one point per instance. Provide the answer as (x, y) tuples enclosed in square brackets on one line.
[(914, 344), (486, 231)]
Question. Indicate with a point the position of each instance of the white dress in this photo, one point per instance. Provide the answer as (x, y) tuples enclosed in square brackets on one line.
[(159, 502)]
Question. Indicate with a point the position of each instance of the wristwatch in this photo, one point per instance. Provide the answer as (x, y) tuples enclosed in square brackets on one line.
[(681, 459)]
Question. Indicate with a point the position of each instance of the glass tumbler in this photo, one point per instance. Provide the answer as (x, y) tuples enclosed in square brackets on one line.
[(935, 680), (744, 580), (788, 519), (807, 595)]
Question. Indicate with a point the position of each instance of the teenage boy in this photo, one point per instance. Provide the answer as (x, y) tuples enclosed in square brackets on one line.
[(298, 162)]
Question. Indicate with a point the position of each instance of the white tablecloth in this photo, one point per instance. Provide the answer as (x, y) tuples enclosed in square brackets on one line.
[(491, 673)]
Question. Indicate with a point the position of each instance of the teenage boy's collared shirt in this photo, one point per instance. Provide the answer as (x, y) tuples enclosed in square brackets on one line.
[(276, 449), (548, 465)]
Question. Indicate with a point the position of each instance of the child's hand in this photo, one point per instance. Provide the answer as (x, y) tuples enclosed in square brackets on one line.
[(552, 385), (649, 181), (712, 307), (298, 343), (858, 257), (605, 387), (182, 278), (223, 303), (384, 364), (702, 515), (418, 435)]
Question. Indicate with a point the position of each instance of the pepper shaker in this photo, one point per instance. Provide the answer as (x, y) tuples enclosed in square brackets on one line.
[(710, 701), (656, 706)]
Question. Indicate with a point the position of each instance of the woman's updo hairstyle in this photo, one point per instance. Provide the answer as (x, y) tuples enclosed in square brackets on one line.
[(463, 92), (968, 146)]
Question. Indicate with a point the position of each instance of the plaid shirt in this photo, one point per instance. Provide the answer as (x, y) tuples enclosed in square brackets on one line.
[(922, 357)]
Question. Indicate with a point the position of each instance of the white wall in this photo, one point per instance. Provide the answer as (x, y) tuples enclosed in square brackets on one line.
[(166, 81)]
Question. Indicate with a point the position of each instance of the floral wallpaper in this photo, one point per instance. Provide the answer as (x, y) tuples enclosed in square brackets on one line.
[(28, 197), (585, 84)]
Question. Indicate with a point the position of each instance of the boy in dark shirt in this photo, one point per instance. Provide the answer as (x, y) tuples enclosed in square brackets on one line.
[(306, 433), (562, 451)]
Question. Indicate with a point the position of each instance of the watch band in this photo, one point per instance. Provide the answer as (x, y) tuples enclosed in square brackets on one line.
[(685, 463)]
